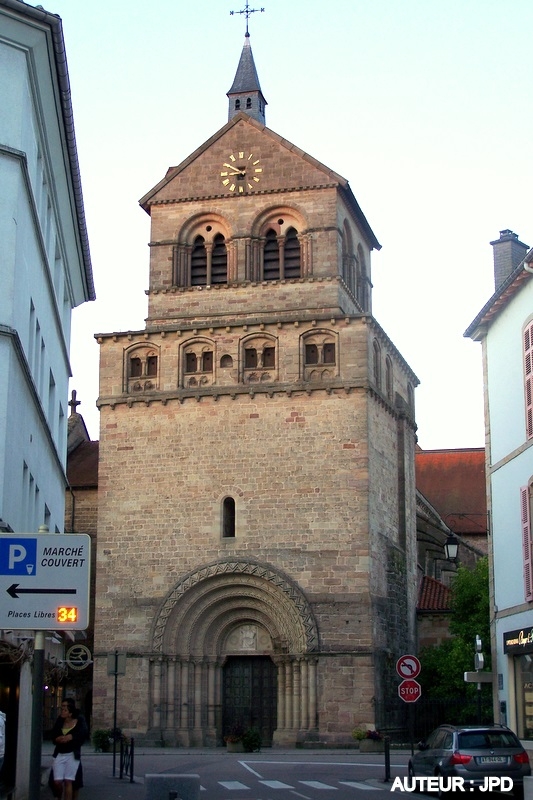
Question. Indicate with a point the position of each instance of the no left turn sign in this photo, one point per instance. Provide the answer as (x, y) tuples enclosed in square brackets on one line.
[(408, 667)]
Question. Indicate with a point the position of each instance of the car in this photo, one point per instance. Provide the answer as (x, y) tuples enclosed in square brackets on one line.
[(473, 753)]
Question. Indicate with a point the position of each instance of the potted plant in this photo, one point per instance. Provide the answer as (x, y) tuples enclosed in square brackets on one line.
[(233, 739), (102, 739), (370, 740), (251, 740)]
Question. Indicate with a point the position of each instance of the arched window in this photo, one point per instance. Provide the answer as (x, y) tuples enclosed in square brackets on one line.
[(199, 262), (248, 102), (219, 260), (226, 361), (250, 358), (135, 367), (190, 362), (377, 363), (141, 368), (151, 366), (228, 518), (388, 377), (291, 255), (311, 354), (237, 105), (271, 257)]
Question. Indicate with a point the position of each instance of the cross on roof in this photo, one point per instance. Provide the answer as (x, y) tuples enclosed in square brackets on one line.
[(73, 403), (247, 11)]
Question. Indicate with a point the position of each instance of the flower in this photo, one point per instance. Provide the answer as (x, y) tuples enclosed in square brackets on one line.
[(235, 734), (375, 735)]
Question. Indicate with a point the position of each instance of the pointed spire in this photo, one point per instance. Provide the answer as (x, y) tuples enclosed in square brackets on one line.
[(245, 93)]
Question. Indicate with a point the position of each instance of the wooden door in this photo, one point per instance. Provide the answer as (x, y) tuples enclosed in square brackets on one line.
[(250, 695)]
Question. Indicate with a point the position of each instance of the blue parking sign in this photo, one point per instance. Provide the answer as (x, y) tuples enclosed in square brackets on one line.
[(18, 556)]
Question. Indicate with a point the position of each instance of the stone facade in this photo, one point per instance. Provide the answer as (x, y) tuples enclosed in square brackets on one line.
[(256, 477)]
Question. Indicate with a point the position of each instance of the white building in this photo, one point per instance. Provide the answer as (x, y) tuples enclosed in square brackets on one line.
[(45, 272), (505, 328)]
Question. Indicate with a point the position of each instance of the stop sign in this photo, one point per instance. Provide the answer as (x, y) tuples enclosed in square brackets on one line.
[(409, 690)]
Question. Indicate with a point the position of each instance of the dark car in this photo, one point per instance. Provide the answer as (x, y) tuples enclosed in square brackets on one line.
[(473, 753)]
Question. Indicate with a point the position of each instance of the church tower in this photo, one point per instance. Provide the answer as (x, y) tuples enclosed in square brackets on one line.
[(256, 527)]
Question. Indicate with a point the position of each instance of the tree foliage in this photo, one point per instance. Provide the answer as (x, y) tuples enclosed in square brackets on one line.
[(443, 667)]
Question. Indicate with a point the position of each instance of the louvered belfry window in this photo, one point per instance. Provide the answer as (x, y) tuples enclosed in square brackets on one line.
[(219, 263), (525, 518), (198, 262), (292, 255), (528, 378), (271, 257)]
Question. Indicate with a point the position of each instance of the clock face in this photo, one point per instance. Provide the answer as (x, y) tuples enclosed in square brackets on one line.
[(241, 172)]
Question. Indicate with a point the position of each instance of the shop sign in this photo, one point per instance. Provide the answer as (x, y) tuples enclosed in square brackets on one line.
[(519, 641)]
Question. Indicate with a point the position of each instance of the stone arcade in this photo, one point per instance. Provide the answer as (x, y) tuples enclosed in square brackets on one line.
[(256, 524)]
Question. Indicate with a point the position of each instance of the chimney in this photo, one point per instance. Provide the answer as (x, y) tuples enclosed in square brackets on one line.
[(508, 253)]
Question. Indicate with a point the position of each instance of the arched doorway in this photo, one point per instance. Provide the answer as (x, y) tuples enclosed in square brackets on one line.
[(233, 632)]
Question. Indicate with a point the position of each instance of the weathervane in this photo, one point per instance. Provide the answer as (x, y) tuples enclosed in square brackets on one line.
[(246, 11)]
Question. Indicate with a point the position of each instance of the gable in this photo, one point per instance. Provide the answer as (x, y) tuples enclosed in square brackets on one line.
[(283, 165)]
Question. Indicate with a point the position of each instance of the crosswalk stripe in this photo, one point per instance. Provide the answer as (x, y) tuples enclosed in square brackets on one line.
[(233, 785), (318, 785), (356, 785), (276, 785)]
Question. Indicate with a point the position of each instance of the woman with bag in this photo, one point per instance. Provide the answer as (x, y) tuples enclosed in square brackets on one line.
[(68, 734)]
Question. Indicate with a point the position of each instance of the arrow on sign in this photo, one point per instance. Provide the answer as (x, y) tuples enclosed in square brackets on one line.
[(15, 591)]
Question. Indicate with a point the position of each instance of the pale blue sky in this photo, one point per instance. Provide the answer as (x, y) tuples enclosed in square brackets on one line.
[(424, 106)]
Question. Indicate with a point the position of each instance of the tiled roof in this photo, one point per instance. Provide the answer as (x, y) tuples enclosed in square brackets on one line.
[(454, 483), (433, 595), (82, 465)]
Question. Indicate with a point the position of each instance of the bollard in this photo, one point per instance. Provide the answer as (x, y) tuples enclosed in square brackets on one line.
[(386, 742), (172, 787)]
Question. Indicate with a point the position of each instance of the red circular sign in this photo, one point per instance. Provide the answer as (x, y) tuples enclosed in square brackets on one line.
[(409, 691), (408, 667)]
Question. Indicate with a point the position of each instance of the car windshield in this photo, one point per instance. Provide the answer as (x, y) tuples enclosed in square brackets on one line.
[(487, 740)]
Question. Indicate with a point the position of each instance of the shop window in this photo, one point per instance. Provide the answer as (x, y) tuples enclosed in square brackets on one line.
[(228, 518)]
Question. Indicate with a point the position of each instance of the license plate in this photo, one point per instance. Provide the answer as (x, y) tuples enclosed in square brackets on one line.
[(492, 760)]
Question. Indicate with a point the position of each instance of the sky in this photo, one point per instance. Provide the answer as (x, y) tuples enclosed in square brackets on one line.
[(424, 106)]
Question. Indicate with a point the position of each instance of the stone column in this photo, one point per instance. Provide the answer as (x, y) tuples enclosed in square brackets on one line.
[(312, 693), (296, 699), (304, 694), (156, 693), (281, 695), (171, 694), (288, 694)]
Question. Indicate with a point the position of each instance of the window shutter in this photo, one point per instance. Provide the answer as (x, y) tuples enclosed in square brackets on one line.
[(526, 541), (528, 378)]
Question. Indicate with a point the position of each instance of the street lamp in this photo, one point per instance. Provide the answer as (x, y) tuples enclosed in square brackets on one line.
[(451, 546)]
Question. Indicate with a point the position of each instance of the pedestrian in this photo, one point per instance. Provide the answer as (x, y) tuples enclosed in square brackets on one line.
[(68, 735)]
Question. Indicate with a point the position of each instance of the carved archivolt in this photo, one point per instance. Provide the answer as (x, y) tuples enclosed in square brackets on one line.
[(198, 615)]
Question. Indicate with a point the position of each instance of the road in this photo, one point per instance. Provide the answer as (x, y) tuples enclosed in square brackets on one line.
[(272, 775)]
